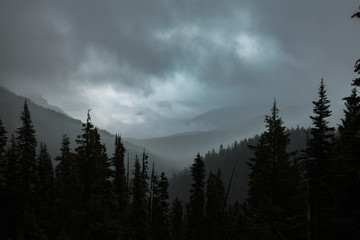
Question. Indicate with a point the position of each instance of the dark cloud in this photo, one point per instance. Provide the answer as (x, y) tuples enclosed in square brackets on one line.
[(232, 51)]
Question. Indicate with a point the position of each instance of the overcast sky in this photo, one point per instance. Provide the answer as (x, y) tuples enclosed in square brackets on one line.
[(144, 67)]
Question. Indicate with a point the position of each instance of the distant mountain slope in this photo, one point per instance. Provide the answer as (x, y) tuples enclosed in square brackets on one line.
[(225, 158), (50, 126), (39, 100), (184, 147), (226, 125)]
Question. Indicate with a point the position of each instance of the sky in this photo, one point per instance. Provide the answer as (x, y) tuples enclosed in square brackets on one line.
[(146, 67)]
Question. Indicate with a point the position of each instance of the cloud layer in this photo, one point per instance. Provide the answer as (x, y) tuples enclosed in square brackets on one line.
[(146, 66)]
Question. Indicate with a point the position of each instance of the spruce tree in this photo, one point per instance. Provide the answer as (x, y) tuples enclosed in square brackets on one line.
[(322, 166), (348, 193), (119, 177), (46, 187), (270, 182), (26, 143), (196, 204), (138, 218), (14, 202), (94, 175), (66, 185)]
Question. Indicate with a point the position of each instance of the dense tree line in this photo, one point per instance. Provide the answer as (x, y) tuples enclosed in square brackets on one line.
[(87, 196)]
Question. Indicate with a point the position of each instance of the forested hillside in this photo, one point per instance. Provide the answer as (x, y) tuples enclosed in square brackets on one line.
[(225, 159), (50, 126)]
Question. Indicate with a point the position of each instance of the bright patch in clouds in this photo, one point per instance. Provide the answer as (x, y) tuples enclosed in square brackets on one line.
[(256, 50), (117, 108)]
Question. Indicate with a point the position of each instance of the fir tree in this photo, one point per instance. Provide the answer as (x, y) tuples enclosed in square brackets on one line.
[(92, 166), (66, 184), (26, 143), (270, 185), (196, 203), (119, 177), (138, 206), (348, 193), (13, 198), (46, 184), (322, 165)]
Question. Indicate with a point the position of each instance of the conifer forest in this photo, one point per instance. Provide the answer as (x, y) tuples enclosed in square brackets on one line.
[(311, 193)]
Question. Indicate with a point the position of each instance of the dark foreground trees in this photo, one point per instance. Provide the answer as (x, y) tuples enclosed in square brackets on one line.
[(274, 197)]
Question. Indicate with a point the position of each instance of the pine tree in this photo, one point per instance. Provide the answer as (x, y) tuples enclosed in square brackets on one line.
[(270, 182), (177, 220), (26, 143), (138, 206), (196, 205)]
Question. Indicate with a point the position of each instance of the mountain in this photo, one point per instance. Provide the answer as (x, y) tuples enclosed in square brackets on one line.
[(225, 125), (50, 125), (40, 100), (224, 158)]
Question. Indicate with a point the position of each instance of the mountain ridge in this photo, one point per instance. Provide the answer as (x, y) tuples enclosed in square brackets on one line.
[(51, 125)]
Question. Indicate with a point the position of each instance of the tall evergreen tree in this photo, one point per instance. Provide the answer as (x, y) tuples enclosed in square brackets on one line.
[(177, 220), (348, 193), (13, 198), (26, 143), (94, 184), (322, 165), (66, 186), (138, 217), (46, 187), (119, 177), (215, 197), (196, 204), (270, 183), (160, 208)]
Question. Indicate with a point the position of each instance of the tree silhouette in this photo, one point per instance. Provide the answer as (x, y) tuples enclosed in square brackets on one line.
[(138, 217), (28, 164), (321, 166), (196, 203), (272, 183)]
